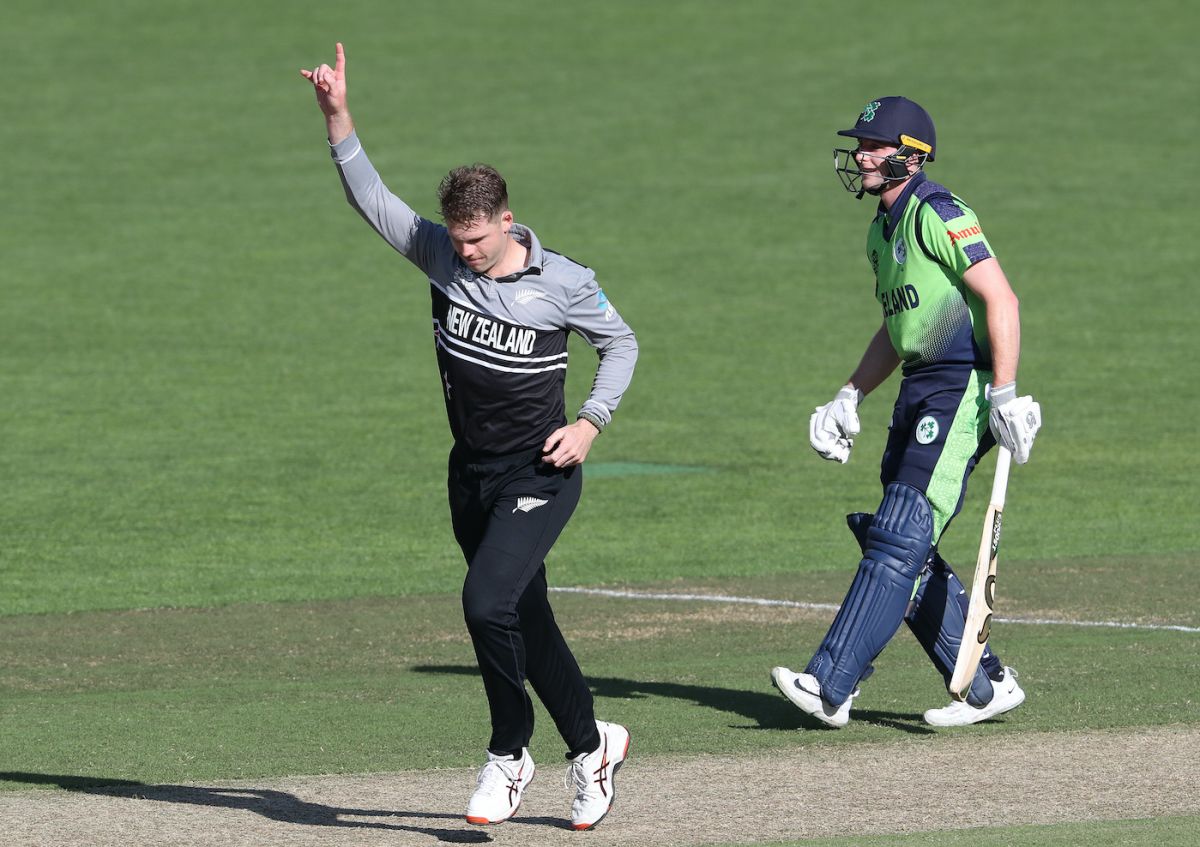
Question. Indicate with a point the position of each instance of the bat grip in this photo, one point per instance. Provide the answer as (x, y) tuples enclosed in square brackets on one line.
[(1000, 481)]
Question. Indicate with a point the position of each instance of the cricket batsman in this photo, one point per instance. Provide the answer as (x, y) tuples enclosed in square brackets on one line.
[(951, 323)]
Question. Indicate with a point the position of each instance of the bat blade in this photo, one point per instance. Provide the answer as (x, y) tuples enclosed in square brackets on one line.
[(979, 611), (983, 588)]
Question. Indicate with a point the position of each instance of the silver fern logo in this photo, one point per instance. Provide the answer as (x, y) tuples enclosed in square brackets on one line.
[(526, 294), (528, 504)]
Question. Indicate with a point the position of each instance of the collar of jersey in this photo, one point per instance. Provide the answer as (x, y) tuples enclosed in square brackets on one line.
[(893, 216), (537, 256)]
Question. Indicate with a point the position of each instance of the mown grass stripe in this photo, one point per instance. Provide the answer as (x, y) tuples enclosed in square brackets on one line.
[(800, 604), (609, 469)]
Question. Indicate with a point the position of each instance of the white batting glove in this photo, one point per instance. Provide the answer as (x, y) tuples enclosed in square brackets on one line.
[(833, 427), (1014, 420)]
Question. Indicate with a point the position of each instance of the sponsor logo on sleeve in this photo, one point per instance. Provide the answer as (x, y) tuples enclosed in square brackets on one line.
[(603, 305)]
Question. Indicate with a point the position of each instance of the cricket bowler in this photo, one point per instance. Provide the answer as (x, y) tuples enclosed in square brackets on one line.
[(503, 306)]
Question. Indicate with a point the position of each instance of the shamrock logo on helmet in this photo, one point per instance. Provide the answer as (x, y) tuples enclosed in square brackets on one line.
[(868, 112)]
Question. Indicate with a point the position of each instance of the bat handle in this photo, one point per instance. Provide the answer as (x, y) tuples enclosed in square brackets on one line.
[(1000, 481)]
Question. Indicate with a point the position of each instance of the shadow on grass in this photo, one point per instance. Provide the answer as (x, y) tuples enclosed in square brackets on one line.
[(765, 709), (275, 805)]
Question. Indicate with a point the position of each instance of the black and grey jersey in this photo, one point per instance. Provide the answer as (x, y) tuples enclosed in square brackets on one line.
[(501, 343)]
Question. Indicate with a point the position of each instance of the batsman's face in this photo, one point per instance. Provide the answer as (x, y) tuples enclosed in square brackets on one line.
[(482, 242), (869, 155)]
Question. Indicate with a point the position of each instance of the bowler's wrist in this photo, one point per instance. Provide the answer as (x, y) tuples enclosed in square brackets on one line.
[(595, 421)]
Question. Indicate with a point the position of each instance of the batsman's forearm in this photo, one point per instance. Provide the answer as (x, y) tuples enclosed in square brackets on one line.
[(877, 363), (989, 283), (1004, 336)]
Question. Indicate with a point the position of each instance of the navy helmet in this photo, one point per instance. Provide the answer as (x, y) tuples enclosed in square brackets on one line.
[(888, 120)]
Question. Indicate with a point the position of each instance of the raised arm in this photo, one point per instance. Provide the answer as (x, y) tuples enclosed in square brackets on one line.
[(414, 237), (329, 84)]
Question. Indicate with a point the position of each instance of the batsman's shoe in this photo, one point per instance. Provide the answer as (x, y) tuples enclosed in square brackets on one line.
[(594, 775), (1006, 696), (501, 781), (805, 693)]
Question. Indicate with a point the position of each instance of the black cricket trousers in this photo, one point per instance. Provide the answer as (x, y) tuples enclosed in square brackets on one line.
[(507, 512)]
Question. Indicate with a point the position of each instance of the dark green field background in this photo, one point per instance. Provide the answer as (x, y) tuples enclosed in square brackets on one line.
[(219, 386), (218, 398)]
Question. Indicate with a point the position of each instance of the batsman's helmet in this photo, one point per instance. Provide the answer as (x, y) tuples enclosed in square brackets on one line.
[(888, 120)]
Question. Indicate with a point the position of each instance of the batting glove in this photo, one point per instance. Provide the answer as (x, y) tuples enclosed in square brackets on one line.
[(1013, 420), (833, 427)]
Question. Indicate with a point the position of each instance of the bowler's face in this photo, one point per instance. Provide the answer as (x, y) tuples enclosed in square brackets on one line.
[(482, 242)]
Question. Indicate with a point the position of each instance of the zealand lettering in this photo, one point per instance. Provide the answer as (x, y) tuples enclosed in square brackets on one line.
[(505, 339), (899, 300), (489, 333)]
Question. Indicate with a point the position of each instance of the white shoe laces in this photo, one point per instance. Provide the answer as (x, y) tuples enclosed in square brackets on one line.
[(495, 774), (578, 774)]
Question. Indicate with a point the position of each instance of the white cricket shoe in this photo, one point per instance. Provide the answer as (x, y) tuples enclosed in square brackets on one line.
[(1006, 696), (593, 774), (502, 781), (805, 692)]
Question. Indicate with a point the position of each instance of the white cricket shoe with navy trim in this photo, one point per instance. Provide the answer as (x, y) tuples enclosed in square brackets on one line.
[(805, 693), (594, 773), (1006, 696), (501, 784)]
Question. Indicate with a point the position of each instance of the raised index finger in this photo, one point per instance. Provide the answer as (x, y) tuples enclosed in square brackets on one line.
[(339, 65)]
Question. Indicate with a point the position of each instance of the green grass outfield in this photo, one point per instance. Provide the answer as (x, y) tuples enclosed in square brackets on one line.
[(222, 441)]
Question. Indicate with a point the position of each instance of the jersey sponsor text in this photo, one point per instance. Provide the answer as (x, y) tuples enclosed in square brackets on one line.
[(964, 233)]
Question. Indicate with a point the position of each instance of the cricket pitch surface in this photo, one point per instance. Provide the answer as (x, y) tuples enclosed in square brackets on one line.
[(866, 789)]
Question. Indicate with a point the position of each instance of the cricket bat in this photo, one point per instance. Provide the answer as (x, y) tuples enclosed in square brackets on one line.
[(983, 587)]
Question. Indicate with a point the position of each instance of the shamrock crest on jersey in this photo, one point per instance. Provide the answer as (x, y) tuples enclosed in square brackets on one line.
[(927, 430)]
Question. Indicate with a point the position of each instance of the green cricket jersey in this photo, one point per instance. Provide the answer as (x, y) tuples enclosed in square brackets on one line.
[(920, 250)]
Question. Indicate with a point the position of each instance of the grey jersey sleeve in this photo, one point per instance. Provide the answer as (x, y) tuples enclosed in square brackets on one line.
[(412, 236), (591, 316)]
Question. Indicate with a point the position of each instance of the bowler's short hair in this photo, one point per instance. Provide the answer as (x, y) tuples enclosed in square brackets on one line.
[(472, 191)]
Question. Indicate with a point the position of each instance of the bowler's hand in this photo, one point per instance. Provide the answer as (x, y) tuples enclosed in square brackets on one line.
[(330, 84), (569, 445)]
